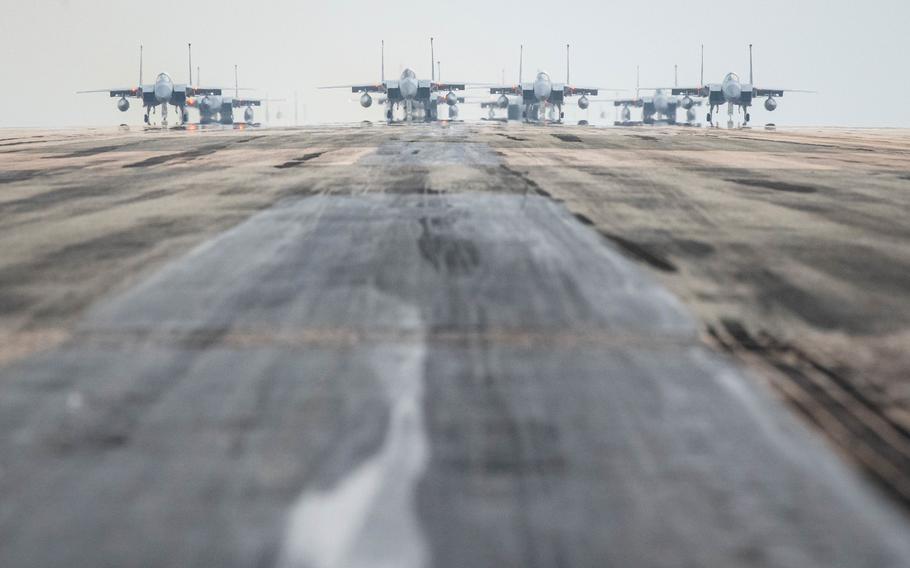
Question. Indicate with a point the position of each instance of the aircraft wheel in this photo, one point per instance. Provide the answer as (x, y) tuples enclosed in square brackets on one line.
[(709, 118)]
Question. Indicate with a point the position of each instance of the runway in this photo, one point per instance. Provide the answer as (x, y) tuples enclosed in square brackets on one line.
[(417, 346)]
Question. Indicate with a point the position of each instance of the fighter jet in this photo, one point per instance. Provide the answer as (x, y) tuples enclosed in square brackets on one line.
[(732, 92), (414, 95), (662, 105), (219, 108), (162, 93), (543, 95)]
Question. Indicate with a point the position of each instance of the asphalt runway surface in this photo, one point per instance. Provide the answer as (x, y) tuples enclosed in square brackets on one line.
[(400, 353)]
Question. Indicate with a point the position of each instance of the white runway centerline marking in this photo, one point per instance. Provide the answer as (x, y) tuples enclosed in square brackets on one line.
[(369, 518)]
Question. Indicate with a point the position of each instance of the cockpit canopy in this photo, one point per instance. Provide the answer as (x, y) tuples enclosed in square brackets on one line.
[(408, 74), (543, 76), (163, 78), (731, 78)]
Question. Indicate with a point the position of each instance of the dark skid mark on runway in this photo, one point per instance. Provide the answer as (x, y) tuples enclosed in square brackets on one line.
[(147, 196), (12, 303), (299, 161), (20, 143), (21, 138), (568, 137), (823, 312), (772, 184), (526, 180), (693, 248), (513, 138), (17, 175), (97, 253), (247, 140), (444, 251), (641, 252), (182, 157), (87, 152), (41, 201), (828, 388), (187, 156), (584, 219)]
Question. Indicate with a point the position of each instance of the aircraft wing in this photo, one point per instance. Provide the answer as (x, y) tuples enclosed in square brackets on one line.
[(119, 93), (637, 102), (240, 103), (687, 91), (371, 88), (195, 91), (448, 86), (573, 90), (505, 89), (757, 92)]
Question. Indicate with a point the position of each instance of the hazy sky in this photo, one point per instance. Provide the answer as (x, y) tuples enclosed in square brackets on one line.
[(849, 51)]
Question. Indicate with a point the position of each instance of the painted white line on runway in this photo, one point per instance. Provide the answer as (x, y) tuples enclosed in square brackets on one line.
[(369, 518)]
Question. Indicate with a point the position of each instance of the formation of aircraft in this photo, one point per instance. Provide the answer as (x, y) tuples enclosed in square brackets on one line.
[(421, 99)]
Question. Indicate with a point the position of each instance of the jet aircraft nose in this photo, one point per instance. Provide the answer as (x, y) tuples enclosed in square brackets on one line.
[(542, 86), (732, 90), (408, 86), (164, 88)]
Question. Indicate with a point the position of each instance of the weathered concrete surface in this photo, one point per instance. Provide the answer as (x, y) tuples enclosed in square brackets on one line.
[(414, 355)]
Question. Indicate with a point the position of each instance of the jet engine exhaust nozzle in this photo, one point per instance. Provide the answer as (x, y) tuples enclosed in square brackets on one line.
[(366, 101), (451, 99), (248, 115), (503, 101), (770, 104), (583, 103), (123, 105), (687, 102)]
